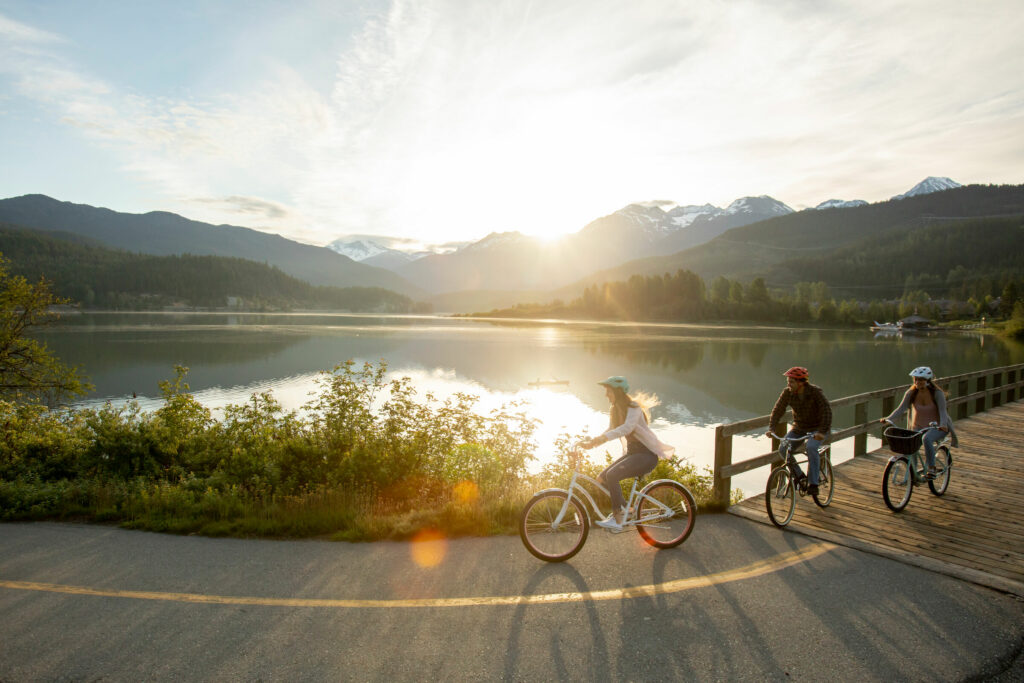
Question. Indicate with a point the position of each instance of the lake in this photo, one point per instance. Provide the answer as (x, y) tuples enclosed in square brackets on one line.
[(704, 375)]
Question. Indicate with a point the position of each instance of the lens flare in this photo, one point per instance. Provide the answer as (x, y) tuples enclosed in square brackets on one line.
[(428, 548), (466, 492)]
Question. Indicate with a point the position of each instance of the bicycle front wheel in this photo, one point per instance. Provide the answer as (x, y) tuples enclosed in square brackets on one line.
[(779, 497), (897, 484), (546, 539), (668, 526), (826, 484), (944, 467)]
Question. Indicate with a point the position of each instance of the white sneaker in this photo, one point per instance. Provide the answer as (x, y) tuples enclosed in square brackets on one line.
[(609, 523)]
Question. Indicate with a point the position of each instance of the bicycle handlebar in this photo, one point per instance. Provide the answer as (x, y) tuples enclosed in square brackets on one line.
[(792, 439), (931, 425)]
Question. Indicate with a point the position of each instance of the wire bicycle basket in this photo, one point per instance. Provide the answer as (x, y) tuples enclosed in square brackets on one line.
[(903, 441)]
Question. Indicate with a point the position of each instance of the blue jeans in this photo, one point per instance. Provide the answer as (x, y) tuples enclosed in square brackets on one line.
[(932, 437), (813, 459)]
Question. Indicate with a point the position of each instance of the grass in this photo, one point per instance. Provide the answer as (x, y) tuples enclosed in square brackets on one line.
[(336, 515)]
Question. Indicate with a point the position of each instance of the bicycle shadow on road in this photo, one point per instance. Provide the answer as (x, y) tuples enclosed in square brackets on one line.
[(555, 616)]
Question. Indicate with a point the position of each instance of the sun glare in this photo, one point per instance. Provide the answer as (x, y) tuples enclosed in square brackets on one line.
[(428, 548)]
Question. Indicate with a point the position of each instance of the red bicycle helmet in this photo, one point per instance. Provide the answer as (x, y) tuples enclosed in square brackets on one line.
[(797, 373)]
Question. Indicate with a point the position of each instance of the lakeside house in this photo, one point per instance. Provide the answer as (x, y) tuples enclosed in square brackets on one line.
[(914, 322)]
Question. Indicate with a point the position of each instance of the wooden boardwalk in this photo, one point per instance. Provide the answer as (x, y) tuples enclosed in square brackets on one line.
[(974, 532)]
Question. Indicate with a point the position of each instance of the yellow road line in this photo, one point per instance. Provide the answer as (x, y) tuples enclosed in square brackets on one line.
[(750, 571)]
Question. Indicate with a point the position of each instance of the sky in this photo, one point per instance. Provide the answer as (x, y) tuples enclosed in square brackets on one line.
[(446, 120)]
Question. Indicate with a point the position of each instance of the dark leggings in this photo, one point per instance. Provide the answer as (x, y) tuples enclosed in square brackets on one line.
[(632, 464)]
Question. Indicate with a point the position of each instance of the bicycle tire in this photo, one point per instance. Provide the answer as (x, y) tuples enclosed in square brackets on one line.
[(826, 483), (541, 538), (780, 497), (666, 532), (944, 465), (897, 484)]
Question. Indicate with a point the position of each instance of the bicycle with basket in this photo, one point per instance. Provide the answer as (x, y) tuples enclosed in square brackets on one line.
[(907, 468)]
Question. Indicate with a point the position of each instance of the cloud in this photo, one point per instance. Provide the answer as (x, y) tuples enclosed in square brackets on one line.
[(248, 206), (23, 35), (450, 120)]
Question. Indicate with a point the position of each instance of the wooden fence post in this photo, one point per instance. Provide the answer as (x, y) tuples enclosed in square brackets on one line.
[(860, 416), (1011, 377), (888, 404), (979, 405), (997, 381), (723, 458), (962, 390)]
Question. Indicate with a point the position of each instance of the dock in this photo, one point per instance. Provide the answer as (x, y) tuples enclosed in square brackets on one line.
[(974, 532)]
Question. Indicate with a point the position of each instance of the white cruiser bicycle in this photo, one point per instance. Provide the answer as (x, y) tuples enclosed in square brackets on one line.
[(555, 523)]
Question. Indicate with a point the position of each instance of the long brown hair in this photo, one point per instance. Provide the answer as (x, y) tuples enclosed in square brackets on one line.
[(931, 390), (623, 402)]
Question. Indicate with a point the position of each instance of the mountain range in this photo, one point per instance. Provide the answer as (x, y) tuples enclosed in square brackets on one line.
[(751, 236), (165, 234), (512, 261)]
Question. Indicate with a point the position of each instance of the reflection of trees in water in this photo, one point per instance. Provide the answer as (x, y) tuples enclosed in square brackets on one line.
[(746, 373), (104, 351), (678, 356)]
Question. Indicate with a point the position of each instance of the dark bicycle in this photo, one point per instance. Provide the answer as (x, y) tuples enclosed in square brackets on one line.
[(785, 482)]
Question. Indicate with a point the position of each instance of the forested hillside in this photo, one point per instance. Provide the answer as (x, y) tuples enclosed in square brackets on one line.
[(163, 234), (940, 269), (98, 277), (956, 259)]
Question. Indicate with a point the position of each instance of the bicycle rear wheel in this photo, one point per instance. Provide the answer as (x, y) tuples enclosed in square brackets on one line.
[(944, 467), (826, 483), (665, 529), (779, 497), (897, 484), (549, 541)]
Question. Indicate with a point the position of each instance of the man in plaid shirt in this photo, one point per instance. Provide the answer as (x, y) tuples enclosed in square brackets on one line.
[(811, 413)]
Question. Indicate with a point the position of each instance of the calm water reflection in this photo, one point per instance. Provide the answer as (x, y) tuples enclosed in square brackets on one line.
[(704, 375)]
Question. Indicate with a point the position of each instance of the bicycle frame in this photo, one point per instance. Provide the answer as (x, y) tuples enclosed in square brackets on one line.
[(631, 505)]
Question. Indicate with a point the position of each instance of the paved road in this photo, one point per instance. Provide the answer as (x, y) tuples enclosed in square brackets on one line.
[(85, 602)]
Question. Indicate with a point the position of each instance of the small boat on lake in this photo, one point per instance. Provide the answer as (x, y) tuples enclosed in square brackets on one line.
[(549, 383), (887, 328)]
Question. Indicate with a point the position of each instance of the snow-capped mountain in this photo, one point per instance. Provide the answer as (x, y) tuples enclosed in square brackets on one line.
[(387, 252), (761, 206), (357, 249), (683, 216), (929, 185), (840, 204)]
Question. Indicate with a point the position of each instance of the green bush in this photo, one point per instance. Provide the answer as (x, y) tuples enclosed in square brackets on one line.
[(368, 458)]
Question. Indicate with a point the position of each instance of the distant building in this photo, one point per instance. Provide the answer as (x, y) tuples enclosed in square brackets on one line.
[(912, 321)]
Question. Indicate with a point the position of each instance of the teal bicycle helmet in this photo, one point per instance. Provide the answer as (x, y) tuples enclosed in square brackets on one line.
[(616, 381)]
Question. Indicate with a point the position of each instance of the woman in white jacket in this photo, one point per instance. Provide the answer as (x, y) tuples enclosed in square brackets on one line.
[(629, 423)]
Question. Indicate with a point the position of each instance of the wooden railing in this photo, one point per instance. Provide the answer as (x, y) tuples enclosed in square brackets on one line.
[(993, 387)]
